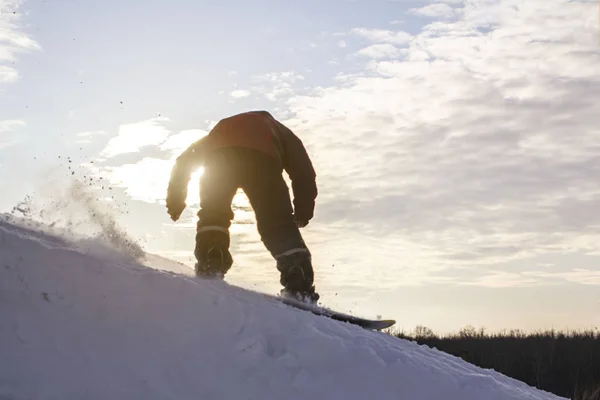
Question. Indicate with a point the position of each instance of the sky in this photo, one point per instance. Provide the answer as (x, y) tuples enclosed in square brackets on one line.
[(456, 142)]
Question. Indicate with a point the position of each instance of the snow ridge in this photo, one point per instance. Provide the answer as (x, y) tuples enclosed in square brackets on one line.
[(99, 325)]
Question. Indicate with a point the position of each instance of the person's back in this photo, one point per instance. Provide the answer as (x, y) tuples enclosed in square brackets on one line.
[(253, 130), (249, 151)]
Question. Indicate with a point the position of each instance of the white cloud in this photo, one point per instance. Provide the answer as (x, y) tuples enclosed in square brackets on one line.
[(481, 145), (240, 94), (502, 279), (210, 124), (381, 51), (276, 77), (383, 35), (12, 39), (342, 44), (436, 10), (145, 180), (8, 125), (578, 275), (133, 137), (452, 2), (178, 142), (7, 137), (87, 137), (545, 265), (88, 134), (8, 74), (145, 177), (277, 85)]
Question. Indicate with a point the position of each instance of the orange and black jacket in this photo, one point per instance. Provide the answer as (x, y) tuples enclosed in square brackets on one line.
[(256, 130)]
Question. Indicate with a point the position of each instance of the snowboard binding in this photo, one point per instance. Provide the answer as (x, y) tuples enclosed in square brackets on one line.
[(297, 278), (214, 264), (309, 296), (212, 253)]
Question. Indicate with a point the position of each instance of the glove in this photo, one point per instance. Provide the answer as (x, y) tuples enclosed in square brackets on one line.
[(175, 203), (300, 222), (303, 211), (175, 210), (176, 196)]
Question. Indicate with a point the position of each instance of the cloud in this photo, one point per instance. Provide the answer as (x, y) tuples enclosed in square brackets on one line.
[(240, 94), (436, 10), (276, 77), (501, 279), (12, 39), (132, 138), (7, 138), (8, 74), (479, 144), (140, 158), (178, 142), (277, 85), (383, 35), (8, 125), (578, 275), (452, 2), (90, 134), (381, 51), (86, 137), (146, 180)]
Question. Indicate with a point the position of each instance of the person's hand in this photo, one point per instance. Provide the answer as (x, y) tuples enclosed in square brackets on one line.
[(175, 205), (300, 222), (175, 201), (175, 210)]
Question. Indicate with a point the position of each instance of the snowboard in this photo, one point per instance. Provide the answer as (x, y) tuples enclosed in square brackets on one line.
[(366, 323)]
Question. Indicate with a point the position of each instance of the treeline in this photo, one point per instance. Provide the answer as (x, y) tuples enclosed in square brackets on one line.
[(564, 363)]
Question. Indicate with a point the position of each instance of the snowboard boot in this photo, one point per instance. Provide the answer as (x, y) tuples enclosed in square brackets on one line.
[(297, 277), (212, 254)]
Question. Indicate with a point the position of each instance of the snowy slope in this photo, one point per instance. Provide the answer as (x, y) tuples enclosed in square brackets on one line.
[(101, 326)]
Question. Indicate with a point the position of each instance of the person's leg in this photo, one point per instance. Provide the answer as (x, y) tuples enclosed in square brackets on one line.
[(269, 197), (218, 185)]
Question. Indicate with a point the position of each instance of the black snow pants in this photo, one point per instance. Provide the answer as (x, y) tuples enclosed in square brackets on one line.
[(260, 177)]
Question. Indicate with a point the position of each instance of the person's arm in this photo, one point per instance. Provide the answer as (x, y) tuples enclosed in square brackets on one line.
[(299, 168), (185, 165)]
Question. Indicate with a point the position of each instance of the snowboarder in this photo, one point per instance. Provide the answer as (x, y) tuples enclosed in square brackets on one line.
[(250, 150)]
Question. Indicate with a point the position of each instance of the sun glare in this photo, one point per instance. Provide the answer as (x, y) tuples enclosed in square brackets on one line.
[(194, 187)]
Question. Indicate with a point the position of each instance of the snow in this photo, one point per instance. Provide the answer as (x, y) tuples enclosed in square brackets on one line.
[(81, 321)]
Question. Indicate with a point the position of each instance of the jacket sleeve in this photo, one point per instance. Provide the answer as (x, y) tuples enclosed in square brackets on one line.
[(185, 165), (297, 164)]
